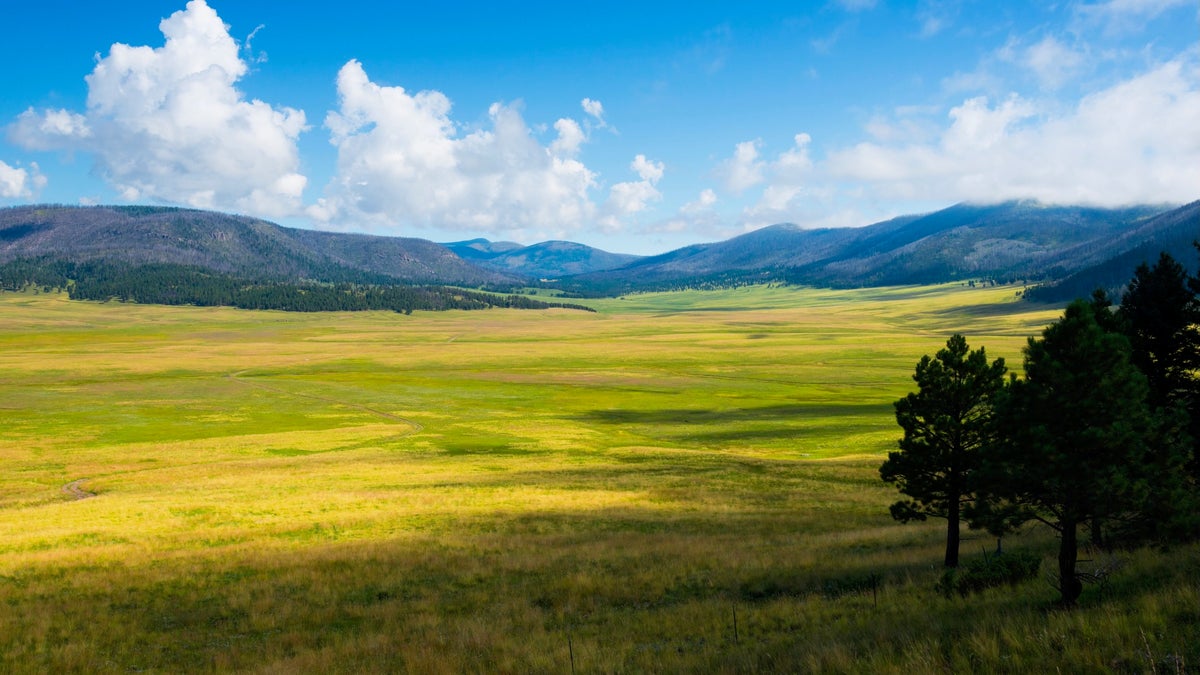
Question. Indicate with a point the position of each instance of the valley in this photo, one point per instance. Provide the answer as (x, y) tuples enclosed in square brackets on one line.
[(682, 482)]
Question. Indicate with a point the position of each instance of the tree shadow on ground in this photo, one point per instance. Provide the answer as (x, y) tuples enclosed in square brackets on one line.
[(776, 413)]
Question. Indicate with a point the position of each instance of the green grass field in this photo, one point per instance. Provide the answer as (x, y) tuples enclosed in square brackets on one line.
[(681, 482)]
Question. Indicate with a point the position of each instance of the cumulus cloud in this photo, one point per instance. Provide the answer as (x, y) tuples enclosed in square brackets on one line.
[(402, 162), (570, 137), (744, 169), (704, 202), (1136, 141), (649, 171), (626, 199), (50, 129), (168, 124), (790, 178), (19, 183)]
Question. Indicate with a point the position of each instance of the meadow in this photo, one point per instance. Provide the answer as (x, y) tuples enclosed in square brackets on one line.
[(681, 482)]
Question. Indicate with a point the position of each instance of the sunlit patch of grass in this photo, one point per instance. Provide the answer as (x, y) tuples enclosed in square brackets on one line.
[(500, 491)]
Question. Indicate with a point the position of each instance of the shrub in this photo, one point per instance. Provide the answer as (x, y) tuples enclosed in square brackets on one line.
[(990, 571)]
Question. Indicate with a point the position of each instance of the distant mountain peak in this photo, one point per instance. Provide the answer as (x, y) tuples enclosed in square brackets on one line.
[(544, 260)]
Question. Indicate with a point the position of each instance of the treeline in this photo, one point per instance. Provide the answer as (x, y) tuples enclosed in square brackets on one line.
[(43, 273), (1099, 439), (171, 284), (588, 286)]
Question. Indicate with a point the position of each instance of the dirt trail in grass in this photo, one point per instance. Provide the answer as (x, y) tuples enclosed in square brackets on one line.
[(76, 492), (415, 427)]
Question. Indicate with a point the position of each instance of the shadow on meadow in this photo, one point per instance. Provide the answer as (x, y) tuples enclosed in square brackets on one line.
[(777, 413), (712, 427), (504, 591), (507, 592)]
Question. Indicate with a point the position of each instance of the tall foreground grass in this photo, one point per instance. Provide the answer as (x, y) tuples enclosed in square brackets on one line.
[(680, 483)]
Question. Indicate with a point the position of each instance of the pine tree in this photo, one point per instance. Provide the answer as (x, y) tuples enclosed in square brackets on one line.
[(1160, 317), (1160, 313), (946, 422), (1072, 438)]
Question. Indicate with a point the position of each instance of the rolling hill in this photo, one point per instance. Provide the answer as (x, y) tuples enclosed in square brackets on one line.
[(237, 245), (481, 249), (1061, 248), (1172, 232), (1008, 241), (549, 259)]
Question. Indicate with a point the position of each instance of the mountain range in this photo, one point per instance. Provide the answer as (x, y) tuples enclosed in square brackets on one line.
[(1012, 241), (1062, 248), (545, 260), (230, 244)]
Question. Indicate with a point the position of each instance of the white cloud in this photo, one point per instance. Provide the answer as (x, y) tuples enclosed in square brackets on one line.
[(570, 138), (1052, 62), (744, 169), (50, 129), (647, 170), (1136, 141), (698, 217), (1124, 16), (704, 202), (168, 124), (794, 163), (905, 125), (790, 180), (979, 128), (936, 16), (595, 109), (401, 163), (19, 183), (260, 57), (626, 199)]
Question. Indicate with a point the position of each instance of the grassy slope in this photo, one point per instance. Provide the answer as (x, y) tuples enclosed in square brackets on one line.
[(498, 491)]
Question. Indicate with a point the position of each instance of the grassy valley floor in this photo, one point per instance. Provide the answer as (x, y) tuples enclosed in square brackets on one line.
[(681, 482)]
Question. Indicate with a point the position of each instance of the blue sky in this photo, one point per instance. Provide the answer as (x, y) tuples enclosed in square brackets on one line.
[(634, 127)]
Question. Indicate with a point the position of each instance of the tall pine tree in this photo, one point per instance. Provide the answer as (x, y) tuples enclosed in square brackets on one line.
[(1072, 437), (946, 422), (1160, 317)]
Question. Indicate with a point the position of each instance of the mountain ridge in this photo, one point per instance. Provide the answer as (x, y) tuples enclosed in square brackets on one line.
[(230, 244), (1007, 241), (1010, 241), (547, 259)]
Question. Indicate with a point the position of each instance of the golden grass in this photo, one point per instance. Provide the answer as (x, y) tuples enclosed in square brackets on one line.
[(496, 491)]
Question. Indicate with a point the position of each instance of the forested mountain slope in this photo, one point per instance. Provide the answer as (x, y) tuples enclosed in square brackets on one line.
[(546, 260), (230, 244), (1009, 241)]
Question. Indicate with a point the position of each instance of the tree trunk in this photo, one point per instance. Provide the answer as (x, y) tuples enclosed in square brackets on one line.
[(952, 518), (1098, 534), (1068, 552)]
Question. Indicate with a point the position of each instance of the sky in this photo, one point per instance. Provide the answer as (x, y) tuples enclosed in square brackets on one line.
[(632, 127)]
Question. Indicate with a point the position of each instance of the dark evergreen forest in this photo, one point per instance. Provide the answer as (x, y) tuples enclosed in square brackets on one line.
[(171, 284)]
